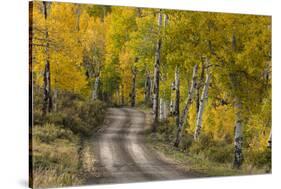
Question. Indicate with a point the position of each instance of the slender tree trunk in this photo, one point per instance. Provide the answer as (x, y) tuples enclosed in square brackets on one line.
[(172, 103), (157, 75), (47, 99), (166, 19), (201, 108), (171, 107), (199, 86), (122, 94), (177, 100), (161, 110), (147, 93), (55, 100), (165, 110), (96, 86), (188, 102), (238, 135), (133, 92)]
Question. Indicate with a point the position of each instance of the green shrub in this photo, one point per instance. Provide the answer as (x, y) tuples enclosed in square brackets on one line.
[(216, 151), (205, 142), (186, 141), (83, 117), (259, 158), (50, 132), (220, 154), (77, 114)]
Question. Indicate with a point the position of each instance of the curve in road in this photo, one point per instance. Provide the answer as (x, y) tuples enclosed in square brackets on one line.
[(122, 155)]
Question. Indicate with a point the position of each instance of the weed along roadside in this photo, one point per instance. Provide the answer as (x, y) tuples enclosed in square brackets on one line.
[(206, 157), (62, 152)]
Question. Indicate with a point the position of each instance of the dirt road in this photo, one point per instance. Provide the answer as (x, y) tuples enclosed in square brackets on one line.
[(122, 155)]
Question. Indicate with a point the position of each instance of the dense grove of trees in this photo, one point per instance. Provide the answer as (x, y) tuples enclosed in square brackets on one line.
[(211, 72)]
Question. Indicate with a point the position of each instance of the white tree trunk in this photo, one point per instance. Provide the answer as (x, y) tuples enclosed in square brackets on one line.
[(172, 102), (238, 135), (188, 102), (171, 107), (157, 76), (96, 86), (161, 110), (204, 96), (177, 100), (165, 113)]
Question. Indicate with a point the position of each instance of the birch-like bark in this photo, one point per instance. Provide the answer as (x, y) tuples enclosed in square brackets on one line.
[(96, 86), (204, 96), (47, 99), (171, 108), (161, 110), (172, 101), (177, 100), (188, 102), (199, 84), (238, 135), (165, 110), (166, 19), (157, 75)]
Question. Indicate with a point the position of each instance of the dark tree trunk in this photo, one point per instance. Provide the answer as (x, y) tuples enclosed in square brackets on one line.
[(200, 82), (147, 93), (133, 92), (47, 99)]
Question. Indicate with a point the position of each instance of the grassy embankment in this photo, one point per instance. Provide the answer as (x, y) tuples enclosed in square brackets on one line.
[(62, 152), (208, 157)]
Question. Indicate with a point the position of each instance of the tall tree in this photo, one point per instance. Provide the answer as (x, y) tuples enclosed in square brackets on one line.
[(157, 74), (188, 102), (47, 98), (177, 100), (203, 98), (133, 90)]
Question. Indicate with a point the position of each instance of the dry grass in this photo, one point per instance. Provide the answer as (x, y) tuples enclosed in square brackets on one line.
[(56, 160)]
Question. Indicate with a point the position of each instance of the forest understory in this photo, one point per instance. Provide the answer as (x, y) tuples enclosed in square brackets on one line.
[(204, 159)]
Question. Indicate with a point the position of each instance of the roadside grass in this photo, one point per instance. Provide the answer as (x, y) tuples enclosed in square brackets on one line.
[(198, 163), (62, 152), (206, 157), (56, 160)]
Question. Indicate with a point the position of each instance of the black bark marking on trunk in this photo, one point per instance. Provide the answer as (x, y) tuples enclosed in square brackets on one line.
[(156, 76), (47, 99), (183, 118)]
